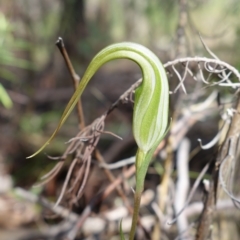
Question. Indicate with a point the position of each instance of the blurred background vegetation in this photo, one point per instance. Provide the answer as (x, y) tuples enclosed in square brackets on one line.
[(35, 84)]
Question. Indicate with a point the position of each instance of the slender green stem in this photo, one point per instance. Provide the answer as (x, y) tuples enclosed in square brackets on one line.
[(137, 200), (142, 161)]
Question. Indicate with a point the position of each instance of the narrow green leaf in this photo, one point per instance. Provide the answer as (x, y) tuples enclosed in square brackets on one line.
[(121, 231), (4, 98)]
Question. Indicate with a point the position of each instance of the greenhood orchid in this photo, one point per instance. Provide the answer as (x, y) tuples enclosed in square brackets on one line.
[(150, 117)]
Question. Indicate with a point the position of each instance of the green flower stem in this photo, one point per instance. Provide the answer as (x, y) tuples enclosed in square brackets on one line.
[(142, 162), (137, 200)]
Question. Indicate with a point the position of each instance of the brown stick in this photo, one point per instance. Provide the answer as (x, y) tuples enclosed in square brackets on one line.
[(75, 79)]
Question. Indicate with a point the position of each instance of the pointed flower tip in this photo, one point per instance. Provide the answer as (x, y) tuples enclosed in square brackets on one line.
[(38, 151), (33, 155)]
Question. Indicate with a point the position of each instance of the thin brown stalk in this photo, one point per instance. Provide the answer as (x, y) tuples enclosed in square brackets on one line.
[(75, 78), (80, 191), (70, 170)]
